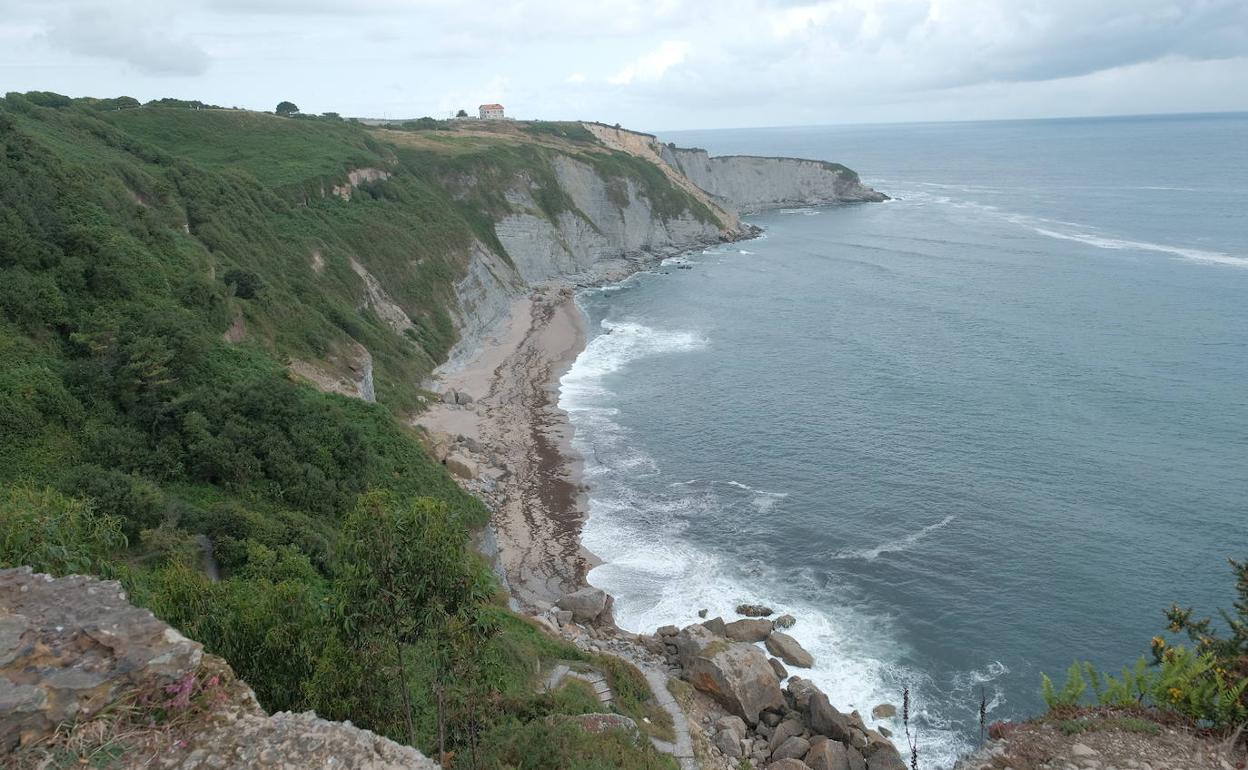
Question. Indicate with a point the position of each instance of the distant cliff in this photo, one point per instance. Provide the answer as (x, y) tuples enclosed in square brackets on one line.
[(752, 183), (749, 183)]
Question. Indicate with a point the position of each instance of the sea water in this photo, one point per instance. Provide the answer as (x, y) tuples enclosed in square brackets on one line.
[(966, 436)]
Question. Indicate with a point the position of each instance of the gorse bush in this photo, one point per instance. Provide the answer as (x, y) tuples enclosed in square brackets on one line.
[(1208, 684)]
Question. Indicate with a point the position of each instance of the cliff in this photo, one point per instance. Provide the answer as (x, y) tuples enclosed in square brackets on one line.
[(748, 183), (85, 674)]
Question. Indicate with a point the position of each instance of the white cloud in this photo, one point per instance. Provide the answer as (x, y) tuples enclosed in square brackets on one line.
[(653, 65), (575, 77)]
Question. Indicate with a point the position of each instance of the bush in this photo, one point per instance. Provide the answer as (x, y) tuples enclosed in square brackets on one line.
[(1208, 684), (50, 532)]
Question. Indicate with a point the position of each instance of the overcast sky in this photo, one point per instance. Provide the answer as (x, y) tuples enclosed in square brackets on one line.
[(649, 64)]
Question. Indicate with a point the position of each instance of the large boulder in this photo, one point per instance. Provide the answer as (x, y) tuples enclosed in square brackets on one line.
[(886, 758), (788, 764), (856, 760), (588, 605), (794, 748), (884, 711), (786, 648), (826, 720), (748, 630), (754, 610), (736, 675), (716, 626), (801, 691), (598, 723), (461, 466), (827, 754), (728, 742), (784, 731), (71, 646)]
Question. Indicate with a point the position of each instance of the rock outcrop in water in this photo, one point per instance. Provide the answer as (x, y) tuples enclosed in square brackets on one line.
[(79, 665), (792, 726)]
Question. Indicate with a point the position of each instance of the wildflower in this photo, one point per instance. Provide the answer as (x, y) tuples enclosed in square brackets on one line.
[(1176, 695), (1158, 643)]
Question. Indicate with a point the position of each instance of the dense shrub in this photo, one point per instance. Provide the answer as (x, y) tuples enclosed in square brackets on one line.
[(1208, 684)]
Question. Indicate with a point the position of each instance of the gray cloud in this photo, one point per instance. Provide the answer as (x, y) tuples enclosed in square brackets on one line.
[(131, 34), (650, 63)]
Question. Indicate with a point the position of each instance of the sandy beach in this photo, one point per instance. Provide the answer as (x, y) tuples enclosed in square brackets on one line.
[(518, 445)]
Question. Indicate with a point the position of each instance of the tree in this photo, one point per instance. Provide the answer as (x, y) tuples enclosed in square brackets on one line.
[(461, 114), (286, 108), (404, 575)]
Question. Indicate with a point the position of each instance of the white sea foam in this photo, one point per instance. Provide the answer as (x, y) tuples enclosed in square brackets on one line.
[(803, 211), (1118, 244), (895, 546), (618, 345), (659, 575)]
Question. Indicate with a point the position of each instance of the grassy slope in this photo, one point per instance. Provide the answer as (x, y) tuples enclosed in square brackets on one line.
[(129, 242)]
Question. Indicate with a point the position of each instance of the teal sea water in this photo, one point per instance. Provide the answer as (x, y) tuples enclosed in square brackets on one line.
[(965, 436)]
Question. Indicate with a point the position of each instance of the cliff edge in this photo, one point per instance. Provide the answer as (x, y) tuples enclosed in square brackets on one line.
[(86, 676)]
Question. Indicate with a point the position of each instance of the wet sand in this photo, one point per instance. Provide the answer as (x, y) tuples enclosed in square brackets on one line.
[(521, 441)]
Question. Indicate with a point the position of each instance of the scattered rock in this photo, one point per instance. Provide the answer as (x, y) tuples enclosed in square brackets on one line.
[(599, 723), (1082, 750), (826, 754), (786, 621), (801, 690), (737, 675), (461, 466), (667, 631), (788, 764), (716, 626), (826, 720), (727, 742), (753, 610), (702, 612), (734, 724), (794, 748), (787, 649), (449, 396), (886, 758), (787, 729), (884, 711), (778, 667), (462, 398), (748, 630), (588, 605)]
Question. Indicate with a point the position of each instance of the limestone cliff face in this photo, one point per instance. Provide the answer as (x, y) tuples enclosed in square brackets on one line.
[(746, 183), (609, 218), (603, 222), (755, 183)]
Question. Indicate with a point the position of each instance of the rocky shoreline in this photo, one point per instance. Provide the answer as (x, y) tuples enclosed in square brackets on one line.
[(499, 430)]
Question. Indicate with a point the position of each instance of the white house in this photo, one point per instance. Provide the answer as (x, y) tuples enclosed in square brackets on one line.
[(491, 112)]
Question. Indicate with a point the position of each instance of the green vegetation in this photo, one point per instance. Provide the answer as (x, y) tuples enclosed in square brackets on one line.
[(160, 268), (1207, 685)]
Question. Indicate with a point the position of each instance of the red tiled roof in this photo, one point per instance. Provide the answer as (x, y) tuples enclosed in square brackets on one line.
[(491, 107)]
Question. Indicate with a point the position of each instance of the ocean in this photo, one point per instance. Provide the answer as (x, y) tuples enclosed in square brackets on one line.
[(967, 436)]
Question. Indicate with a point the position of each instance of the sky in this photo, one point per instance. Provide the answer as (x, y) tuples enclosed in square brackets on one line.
[(648, 64)]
